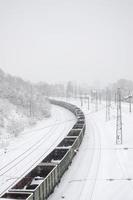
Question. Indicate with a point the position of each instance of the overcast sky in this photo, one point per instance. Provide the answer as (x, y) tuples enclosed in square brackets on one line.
[(60, 40)]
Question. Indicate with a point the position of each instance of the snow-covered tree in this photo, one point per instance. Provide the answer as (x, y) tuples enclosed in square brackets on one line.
[(14, 127)]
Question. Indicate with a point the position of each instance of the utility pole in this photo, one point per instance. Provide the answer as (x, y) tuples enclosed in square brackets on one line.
[(108, 104), (130, 102), (31, 101), (100, 97), (81, 100), (119, 119), (96, 101), (84, 98), (115, 98), (91, 96), (88, 103)]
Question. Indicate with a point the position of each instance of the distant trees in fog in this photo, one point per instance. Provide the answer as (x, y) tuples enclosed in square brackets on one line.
[(24, 95), (19, 100)]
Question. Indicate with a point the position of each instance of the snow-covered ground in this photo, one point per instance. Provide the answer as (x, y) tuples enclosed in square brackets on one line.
[(101, 170), (28, 149)]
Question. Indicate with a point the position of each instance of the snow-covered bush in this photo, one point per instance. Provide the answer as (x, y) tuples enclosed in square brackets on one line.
[(46, 108), (14, 127), (32, 121), (4, 140), (2, 121), (40, 107)]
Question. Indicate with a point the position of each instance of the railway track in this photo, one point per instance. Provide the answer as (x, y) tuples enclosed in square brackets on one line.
[(32, 148), (84, 177), (7, 169), (50, 171)]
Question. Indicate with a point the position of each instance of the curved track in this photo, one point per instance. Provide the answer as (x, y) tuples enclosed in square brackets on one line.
[(83, 177), (29, 157)]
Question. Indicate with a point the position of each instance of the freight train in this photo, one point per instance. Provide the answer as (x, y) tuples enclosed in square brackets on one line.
[(40, 182)]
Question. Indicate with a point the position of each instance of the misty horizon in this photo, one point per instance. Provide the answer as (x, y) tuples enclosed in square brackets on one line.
[(81, 41)]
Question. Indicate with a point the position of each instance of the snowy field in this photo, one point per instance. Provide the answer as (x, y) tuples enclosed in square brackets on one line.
[(101, 170), (31, 146)]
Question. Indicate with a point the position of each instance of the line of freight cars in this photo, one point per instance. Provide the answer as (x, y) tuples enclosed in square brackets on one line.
[(40, 182)]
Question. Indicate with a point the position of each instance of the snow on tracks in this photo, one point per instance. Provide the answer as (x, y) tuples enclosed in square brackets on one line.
[(18, 162)]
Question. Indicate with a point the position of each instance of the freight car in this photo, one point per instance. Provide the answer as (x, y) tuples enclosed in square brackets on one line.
[(40, 182), (17, 195)]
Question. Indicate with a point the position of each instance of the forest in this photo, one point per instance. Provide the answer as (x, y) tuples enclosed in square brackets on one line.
[(22, 104)]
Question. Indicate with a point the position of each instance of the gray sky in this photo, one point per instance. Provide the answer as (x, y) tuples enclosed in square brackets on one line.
[(60, 40)]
